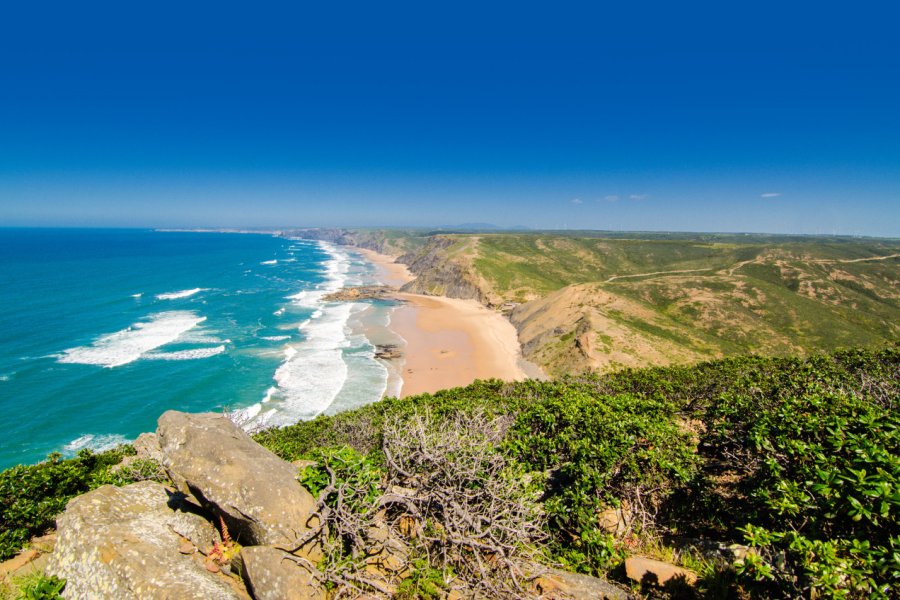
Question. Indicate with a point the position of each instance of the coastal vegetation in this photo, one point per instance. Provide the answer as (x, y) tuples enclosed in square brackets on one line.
[(32, 496), (772, 477), (768, 477)]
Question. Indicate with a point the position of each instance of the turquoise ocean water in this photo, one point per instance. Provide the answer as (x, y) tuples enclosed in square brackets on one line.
[(103, 330)]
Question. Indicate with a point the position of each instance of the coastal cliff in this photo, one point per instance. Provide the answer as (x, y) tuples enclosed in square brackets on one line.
[(443, 268), (597, 302)]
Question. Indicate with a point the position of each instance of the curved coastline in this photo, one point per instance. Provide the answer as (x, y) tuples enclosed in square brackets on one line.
[(448, 342)]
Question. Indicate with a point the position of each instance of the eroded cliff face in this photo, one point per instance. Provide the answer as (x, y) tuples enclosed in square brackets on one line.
[(441, 272), (375, 240)]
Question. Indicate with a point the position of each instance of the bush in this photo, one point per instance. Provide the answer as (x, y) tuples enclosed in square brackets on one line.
[(602, 451), (823, 499), (32, 496)]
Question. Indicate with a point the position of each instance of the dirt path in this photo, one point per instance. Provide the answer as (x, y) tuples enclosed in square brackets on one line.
[(614, 277), (854, 260)]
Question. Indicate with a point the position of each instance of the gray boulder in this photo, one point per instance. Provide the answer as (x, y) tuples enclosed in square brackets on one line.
[(123, 543), (256, 492), (271, 574)]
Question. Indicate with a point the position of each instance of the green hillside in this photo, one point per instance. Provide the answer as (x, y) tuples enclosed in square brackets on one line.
[(598, 302)]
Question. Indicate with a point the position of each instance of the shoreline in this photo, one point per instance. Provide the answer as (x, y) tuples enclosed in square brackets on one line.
[(448, 342)]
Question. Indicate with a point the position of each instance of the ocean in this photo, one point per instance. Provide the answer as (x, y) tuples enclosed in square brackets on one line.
[(101, 331)]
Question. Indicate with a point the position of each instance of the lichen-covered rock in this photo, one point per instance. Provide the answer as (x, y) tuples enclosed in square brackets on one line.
[(146, 447), (256, 492), (123, 543), (554, 583), (271, 574)]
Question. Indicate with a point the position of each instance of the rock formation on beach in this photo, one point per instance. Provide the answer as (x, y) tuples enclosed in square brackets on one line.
[(366, 292)]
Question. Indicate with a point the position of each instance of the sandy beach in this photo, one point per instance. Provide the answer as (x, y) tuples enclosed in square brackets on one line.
[(449, 342), (388, 272)]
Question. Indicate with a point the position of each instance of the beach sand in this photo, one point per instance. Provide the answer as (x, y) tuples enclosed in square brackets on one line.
[(452, 342), (449, 342), (388, 272)]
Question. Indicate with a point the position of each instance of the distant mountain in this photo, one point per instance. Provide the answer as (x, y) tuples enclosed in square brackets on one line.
[(470, 227), (467, 227)]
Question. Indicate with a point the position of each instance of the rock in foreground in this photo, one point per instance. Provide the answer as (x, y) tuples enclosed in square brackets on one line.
[(256, 492), (272, 574), (123, 543)]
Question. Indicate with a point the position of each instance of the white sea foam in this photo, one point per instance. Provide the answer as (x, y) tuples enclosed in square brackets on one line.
[(138, 295), (276, 338), (97, 443), (192, 354), (179, 294), (313, 370), (128, 345), (279, 312), (269, 393), (200, 337), (269, 262)]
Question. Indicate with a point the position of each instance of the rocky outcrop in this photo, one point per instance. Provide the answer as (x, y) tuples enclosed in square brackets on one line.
[(439, 274), (256, 492), (356, 294), (146, 447), (147, 541), (123, 543), (388, 352)]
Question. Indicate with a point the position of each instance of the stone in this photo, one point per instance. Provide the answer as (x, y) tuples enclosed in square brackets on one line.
[(17, 562), (656, 572), (387, 556), (304, 463), (614, 520), (146, 447), (554, 583), (736, 551), (256, 492), (388, 352), (44, 543), (272, 574), (122, 542)]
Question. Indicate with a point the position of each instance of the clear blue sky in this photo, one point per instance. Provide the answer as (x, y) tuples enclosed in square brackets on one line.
[(752, 116)]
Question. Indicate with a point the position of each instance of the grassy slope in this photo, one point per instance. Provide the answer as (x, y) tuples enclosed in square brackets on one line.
[(644, 301)]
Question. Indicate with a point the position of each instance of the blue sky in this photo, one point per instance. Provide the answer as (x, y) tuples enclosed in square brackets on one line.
[(755, 116)]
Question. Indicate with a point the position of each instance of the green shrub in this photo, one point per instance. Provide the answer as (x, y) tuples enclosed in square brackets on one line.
[(32, 496), (602, 451), (42, 587), (823, 491)]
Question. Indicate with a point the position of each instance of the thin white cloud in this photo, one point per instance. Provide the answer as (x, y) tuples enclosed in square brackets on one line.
[(612, 198), (770, 195), (638, 197), (577, 201)]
